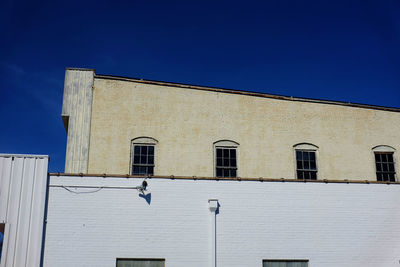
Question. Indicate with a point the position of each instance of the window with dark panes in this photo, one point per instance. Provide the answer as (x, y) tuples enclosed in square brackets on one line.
[(143, 160), (140, 263), (385, 167), (306, 164), (226, 164), (285, 263)]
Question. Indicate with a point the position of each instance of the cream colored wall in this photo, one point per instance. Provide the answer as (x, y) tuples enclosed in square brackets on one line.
[(187, 122)]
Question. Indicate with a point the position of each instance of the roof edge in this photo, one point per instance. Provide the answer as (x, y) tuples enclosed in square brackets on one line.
[(81, 69), (23, 155), (248, 93)]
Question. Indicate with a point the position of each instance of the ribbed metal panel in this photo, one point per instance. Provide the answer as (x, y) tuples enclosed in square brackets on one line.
[(23, 181)]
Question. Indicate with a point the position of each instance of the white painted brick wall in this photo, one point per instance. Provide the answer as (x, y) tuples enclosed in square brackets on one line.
[(330, 224)]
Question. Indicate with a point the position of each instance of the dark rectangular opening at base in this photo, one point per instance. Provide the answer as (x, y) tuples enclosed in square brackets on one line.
[(140, 262), (2, 227)]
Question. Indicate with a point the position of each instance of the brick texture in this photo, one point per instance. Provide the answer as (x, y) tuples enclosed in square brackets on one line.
[(330, 224)]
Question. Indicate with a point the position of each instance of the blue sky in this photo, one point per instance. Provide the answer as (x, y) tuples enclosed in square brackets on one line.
[(336, 50)]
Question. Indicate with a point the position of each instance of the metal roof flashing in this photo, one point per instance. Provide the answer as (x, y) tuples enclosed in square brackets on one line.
[(81, 69), (23, 156)]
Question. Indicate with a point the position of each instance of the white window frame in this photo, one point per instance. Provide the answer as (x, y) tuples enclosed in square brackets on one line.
[(146, 141), (385, 149), (225, 144), (306, 147)]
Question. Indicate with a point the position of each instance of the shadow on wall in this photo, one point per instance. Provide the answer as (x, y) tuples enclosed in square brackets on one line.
[(217, 211), (147, 197)]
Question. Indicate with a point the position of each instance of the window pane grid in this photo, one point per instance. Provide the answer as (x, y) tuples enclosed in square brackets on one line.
[(140, 263), (226, 165), (306, 165), (143, 160), (385, 170), (285, 263)]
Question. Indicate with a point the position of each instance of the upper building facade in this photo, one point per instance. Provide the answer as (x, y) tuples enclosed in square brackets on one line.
[(119, 125)]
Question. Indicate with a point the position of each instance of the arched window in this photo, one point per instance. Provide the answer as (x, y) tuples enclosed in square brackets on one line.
[(306, 161), (226, 158), (143, 155), (384, 163)]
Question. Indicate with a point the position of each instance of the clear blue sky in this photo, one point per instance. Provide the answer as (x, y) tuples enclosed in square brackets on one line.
[(336, 50)]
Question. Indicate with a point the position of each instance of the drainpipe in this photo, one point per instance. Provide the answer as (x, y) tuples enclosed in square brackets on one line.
[(213, 207)]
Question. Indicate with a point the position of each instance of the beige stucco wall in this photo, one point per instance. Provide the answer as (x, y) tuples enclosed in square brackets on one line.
[(187, 122)]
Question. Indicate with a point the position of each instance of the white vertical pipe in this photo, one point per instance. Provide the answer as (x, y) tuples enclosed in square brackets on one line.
[(213, 206)]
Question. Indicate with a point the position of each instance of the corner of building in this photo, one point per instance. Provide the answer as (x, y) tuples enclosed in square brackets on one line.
[(76, 115)]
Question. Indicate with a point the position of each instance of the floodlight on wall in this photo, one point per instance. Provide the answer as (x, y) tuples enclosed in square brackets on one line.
[(143, 187), (213, 205)]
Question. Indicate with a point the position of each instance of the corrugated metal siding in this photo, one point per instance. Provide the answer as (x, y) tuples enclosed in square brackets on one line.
[(23, 183)]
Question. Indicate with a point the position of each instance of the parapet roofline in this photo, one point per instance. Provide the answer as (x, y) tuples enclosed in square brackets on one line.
[(81, 69), (238, 92)]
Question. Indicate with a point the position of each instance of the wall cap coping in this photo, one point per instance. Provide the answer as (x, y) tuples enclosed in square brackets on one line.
[(239, 179)]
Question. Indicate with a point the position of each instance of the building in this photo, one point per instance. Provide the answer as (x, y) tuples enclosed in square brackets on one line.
[(121, 125), (104, 221), (171, 175)]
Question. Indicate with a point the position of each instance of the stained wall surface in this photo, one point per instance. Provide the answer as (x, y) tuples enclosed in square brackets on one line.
[(186, 123), (23, 181), (76, 113), (347, 225)]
